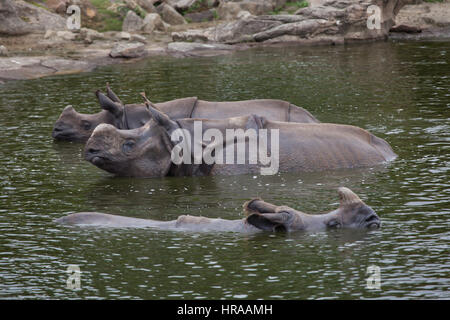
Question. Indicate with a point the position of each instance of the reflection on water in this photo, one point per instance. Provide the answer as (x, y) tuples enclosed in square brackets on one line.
[(398, 91)]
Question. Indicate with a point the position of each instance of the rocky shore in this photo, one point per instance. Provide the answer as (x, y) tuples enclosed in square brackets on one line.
[(35, 40)]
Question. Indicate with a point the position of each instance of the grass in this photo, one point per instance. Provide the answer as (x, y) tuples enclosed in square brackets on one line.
[(38, 4), (199, 5), (107, 20), (290, 7)]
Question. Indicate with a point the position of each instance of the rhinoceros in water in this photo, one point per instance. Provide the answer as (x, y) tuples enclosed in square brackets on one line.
[(261, 216), (154, 149), (74, 126)]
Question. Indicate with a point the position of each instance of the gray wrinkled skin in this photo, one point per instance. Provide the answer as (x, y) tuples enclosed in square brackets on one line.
[(74, 126), (146, 151), (261, 216)]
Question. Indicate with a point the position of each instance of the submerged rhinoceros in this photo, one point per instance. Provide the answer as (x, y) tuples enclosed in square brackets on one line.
[(352, 213), (155, 150), (74, 126)]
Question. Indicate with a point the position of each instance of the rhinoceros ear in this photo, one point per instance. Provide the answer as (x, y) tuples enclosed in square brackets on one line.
[(267, 221), (161, 118), (107, 104), (112, 95)]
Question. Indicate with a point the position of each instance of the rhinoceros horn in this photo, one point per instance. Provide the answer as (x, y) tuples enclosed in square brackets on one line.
[(148, 101), (112, 95), (348, 197)]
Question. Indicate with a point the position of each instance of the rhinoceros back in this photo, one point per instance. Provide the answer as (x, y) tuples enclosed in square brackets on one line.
[(274, 110), (179, 108)]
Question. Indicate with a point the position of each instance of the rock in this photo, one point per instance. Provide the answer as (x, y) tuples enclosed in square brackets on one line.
[(170, 15), (3, 51), (91, 13), (19, 17), (198, 49), (65, 65), (196, 35), (49, 34), (66, 35), (243, 14), (147, 5), (183, 5), (425, 16), (335, 21), (128, 50), (124, 35), (20, 68), (59, 6), (89, 35), (153, 22), (230, 10), (132, 22), (138, 38)]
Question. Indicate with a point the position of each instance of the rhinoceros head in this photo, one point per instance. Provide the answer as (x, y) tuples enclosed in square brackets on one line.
[(141, 152), (75, 126), (352, 213)]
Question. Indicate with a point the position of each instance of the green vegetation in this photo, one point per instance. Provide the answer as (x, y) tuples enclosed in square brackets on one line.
[(38, 4), (108, 20), (290, 7), (215, 14)]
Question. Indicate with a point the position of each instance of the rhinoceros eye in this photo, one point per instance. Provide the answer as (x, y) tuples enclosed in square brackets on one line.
[(86, 125), (334, 224), (128, 146)]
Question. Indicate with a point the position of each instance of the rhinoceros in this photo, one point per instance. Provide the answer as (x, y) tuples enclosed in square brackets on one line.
[(74, 126), (191, 147), (261, 216)]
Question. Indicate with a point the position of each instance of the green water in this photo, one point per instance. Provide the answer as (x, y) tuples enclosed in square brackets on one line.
[(398, 91)]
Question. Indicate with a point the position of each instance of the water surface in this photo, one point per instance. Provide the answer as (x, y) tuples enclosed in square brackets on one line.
[(400, 91)]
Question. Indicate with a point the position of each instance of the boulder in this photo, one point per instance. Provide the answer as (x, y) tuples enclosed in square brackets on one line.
[(138, 38), (89, 35), (19, 17), (243, 14), (132, 22), (147, 5), (127, 50), (66, 35), (170, 15), (124, 35), (153, 22), (61, 35), (21, 68), (183, 5), (335, 21)]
